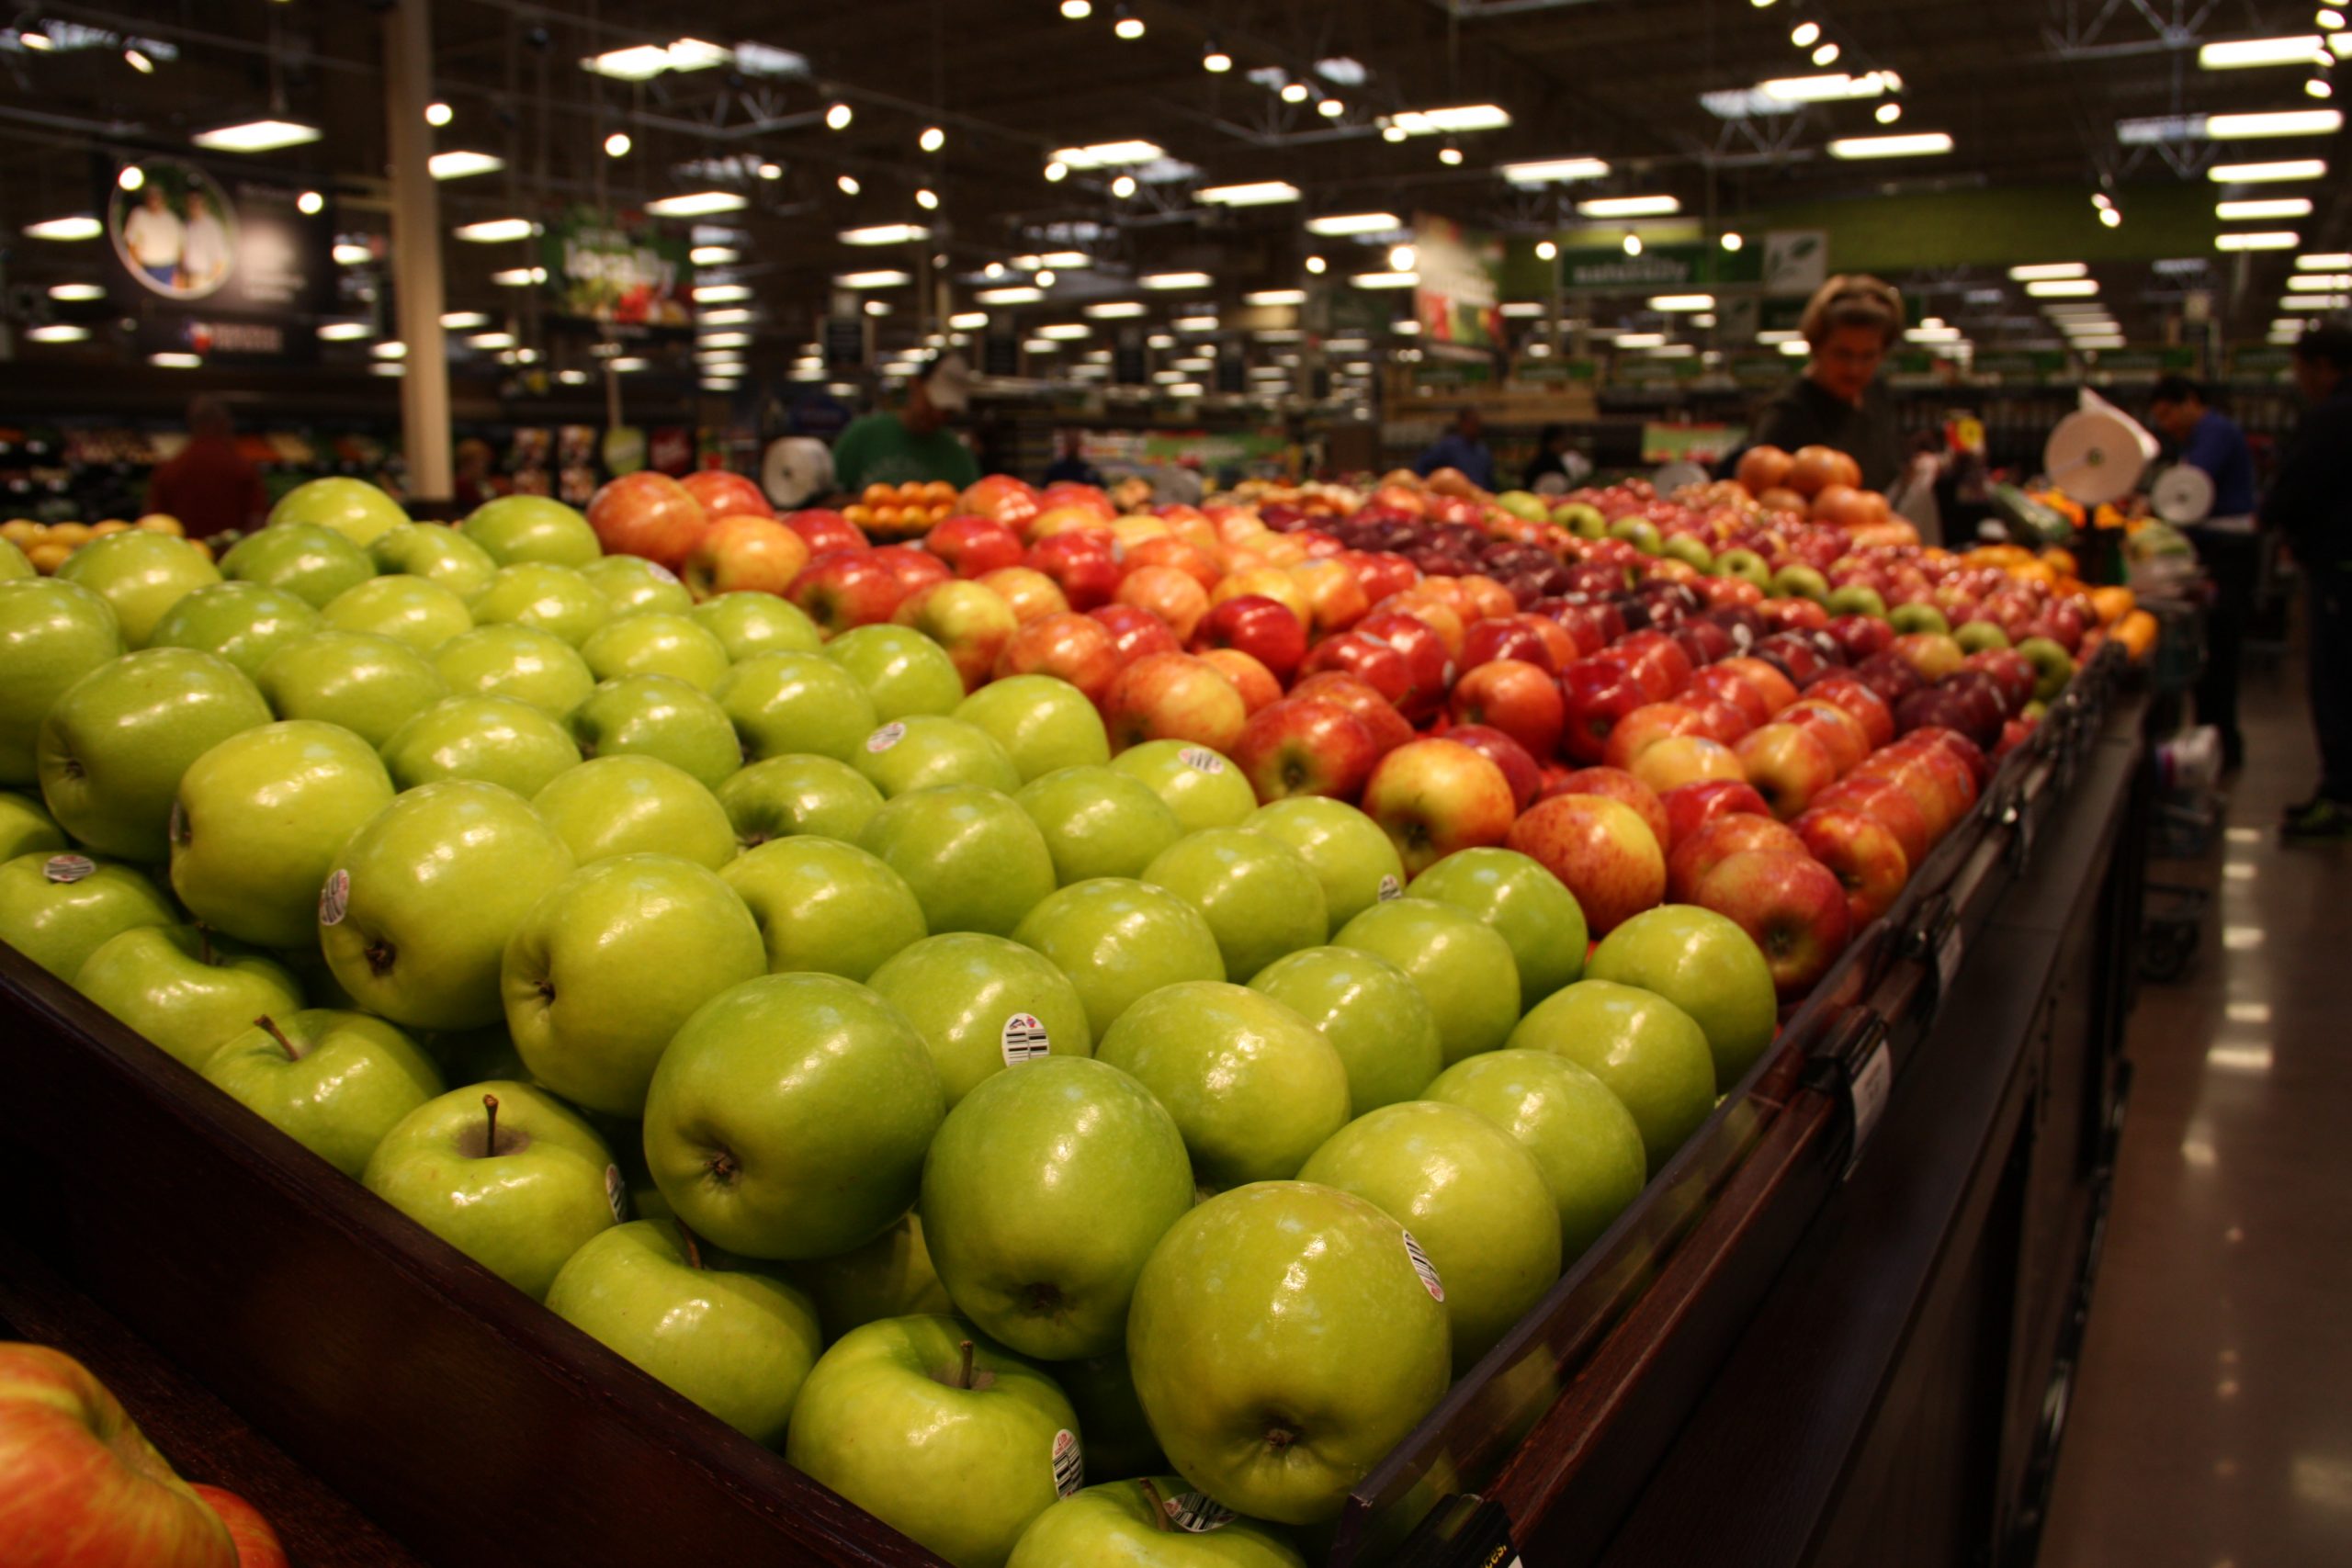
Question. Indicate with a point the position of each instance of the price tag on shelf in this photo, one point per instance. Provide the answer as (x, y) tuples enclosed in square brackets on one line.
[(1951, 947), (1873, 1082)]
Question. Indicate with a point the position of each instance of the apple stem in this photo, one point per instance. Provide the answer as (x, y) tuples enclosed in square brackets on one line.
[(1158, 1508), (963, 1369), (694, 1253), (490, 1143), (204, 943), (266, 1022)]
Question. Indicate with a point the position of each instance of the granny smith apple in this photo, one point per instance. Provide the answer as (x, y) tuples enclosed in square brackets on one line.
[(435, 552), (983, 1004), (519, 528), (1586, 520), (1652, 1056), (1202, 787), (973, 858), (1118, 940), (1462, 965), (51, 633), (1045, 1190), (1472, 1198), (925, 751), (59, 907), (620, 806), (737, 1340), (1526, 905), (1797, 580), (259, 819), (1907, 619), (1638, 531), (315, 564), (611, 963), (184, 989), (825, 905), (243, 622), (2054, 667), (1129, 1522), (140, 574), (1583, 1139), (14, 566), (503, 1172), (413, 610), (1684, 548), (635, 586), (1118, 1439), (475, 1055), (788, 704), (1259, 897), (1252, 1086), (353, 508), (1098, 822), (1706, 965), (555, 599), (656, 642), (1371, 1011), (890, 1276), (1977, 636), (1283, 1342), (1043, 723), (1356, 860), (335, 1082), (521, 663), (1856, 599), (1744, 564), (904, 672), (658, 715), (750, 624), (417, 909), (948, 1440), (790, 1117), (802, 794), (26, 826), (496, 739), (370, 685), (115, 744)]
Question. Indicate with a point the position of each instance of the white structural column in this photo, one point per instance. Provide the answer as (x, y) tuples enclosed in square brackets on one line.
[(416, 249)]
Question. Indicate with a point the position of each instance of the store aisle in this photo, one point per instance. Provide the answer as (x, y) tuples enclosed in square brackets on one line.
[(2213, 1418)]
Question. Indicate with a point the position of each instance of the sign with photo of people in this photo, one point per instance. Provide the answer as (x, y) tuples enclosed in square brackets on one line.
[(187, 239)]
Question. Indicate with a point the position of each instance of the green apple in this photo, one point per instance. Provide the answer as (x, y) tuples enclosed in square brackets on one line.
[(51, 633), (140, 574), (1797, 580), (1682, 548), (335, 1082), (370, 685), (504, 1174), (258, 821), (58, 908), (1526, 905), (658, 715), (315, 564), (114, 746), (1259, 897), (1045, 1190), (1356, 860), (804, 793), (25, 825), (1118, 1439), (531, 528), (904, 672), (611, 963), (1462, 965), (982, 1004), (1371, 1011), (790, 1117), (522, 662), (1283, 1342), (1638, 531), (1098, 822), (1118, 940), (825, 905), (1584, 519), (1202, 787), (948, 1440), (495, 740), (413, 610), (1127, 1522), (890, 1276), (1652, 1056), (554, 599), (353, 508), (416, 911), (750, 624), (1979, 637), (1907, 619), (1043, 723), (1252, 1086), (973, 858), (925, 751), (435, 552), (243, 622), (635, 586), (1583, 1139), (1744, 564), (622, 806), (183, 989), (2054, 667), (14, 566), (1857, 598), (654, 642), (475, 1055), (790, 704), (1706, 965), (737, 1340)]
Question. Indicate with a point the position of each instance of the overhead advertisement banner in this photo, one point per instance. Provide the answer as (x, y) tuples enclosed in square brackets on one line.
[(615, 272), (215, 264), (1456, 301)]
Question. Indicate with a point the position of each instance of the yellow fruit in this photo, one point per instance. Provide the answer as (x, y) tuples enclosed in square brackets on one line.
[(111, 525), (23, 532), (73, 535), (161, 522), (48, 555), (202, 546)]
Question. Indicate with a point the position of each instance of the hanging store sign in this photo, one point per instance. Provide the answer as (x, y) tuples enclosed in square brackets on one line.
[(616, 273), (1455, 300)]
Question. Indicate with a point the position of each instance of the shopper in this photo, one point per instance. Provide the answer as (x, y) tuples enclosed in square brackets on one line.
[(1557, 467), (913, 444), (208, 485), (2310, 506), (1462, 448), (2210, 441), (472, 485), (1839, 401), (1071, 467)]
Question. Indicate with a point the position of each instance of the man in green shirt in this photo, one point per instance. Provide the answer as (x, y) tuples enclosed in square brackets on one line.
[(914, 443)]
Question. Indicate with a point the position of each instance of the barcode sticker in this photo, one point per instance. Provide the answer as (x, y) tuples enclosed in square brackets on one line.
[(1424, 1267), (1390, 887), (68, 868), (1199, 1514), (334, 899), (882, 740), (1024, 1039), (1070, 1465), (1200, 759)]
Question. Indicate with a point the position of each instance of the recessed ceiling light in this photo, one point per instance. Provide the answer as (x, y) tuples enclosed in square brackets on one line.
[(74, 227), (459, 165), (695, 204), (257, 136), (495, 230)]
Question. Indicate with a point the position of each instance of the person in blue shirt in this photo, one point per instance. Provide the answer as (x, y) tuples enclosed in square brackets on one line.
[(2210, 440), (1463, 447)]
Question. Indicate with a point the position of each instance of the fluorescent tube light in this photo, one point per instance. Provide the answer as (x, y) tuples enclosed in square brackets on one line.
[(883, 277), (2272, 207), (1275, 297), (2274, 240), (884, 234), (255, 136), (1918, 144), (1259, 193), (2040, 272), (1555, 171), (1630, 207), (1020, 294), (2265, 174), (1355, 223), (494, 230), (458, 165), (1117, 309), (2237, 53), (1176, 280), (696, 204)]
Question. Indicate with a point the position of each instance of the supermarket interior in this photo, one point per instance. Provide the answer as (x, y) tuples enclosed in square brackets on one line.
[(1036, 784)]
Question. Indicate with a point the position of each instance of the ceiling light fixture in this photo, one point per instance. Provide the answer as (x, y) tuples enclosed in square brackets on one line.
[(2322, 260), (2272, 239), (1165, 280), (881, 278), (1888, 112), (1128, 27), (2062, 289), (1124, 186), (927, 199), (717, 293), (310, 204), (1215, 61), (1450, 156), (352, 255), (884, 234), (1632, 245), (642, 62), (1672, 303), (697, 204), (2268, 173), (932, 140), (2238, 53), (2281, 122), (1315, 264), (1732, 241), (2273, 206), (1294, 92), (1385, 279), (1258, 193), (1546, 250), (1055, 172), (1630, 207), (1920, 144), (438, 115), (848, 185), (1446, 121), (1826, 54), (838, 117), (460, 164), (714, 255), (618, 145), (1020, 294), (76, 293), (495, 230), (1804, 35), (1077, 10), (257, 136), (1555, 171), (1275, 297), (2042, 272)]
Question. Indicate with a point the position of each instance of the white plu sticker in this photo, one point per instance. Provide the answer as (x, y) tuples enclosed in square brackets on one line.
[(1200, 760), (1070, 1465), (1197, 1513), (660, 573), (882, 740), (1390, 887), (1024, 1039), (334, 899), (616, 1194), (1425, 1269), (68, 868)]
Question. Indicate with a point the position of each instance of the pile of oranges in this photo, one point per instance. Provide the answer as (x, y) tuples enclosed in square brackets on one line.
[(47, 545), (903, 510)]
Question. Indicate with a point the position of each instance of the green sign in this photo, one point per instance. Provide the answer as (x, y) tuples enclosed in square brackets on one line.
[(1453, 373), (1691, 442), (627, 274)]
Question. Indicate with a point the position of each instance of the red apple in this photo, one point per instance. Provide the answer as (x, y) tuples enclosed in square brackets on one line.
[(1885, 802), (1168, 593), (2009, 672), (1931, 655), (1716, 684), (1765, 679), (824, 531), (1861, 635), (1432, 797), (1788, 764), (1848, 741), (1260, 627), (1168, 550), (1619, 785), (1074, 648), (1004, 499), (1505, 638), (1303, 746), (646, 514), (1032, 594), (1601, 848), (1791, 906), (1691, 807), (744, 553), (1979, 766), (1794, 615), (1376, 663), (847, 589), (973, 547), (1645, 727), (722, 494), (1252, 680), (1596, 694), (1429, 664), (1514, 696), (1863, 854), (1712, 842), (1865, 707), (1136, 633), (971, 623), (1681, 760), (1518, 764), (256, 1542), (1387, 726), (1083, 561), (915, 568), (1719, 718), (1659, 663), (1172, 696), (1382, 572)]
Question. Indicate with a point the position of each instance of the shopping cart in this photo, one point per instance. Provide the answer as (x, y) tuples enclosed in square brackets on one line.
[(2186, 822)]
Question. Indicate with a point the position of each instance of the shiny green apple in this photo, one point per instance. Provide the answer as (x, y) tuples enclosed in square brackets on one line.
[(335, 1082), (140, 574), (750, 624), (58, 907), (973, 859), (1098, 822), (515, 529), (1119, 1443), (1259, 897), (795, 704), (620, 806), (115, 744), (1042, 722), (496, 739), (51, 633), (315, 564), (1583, 1139), (1201, 786), (1371, 1011), (554, 599), (904, 672), (353, 508), (1121, 1523), (1705, 965), (1652, 1056), (783, 797), (1357, 861), (522, 662), (925, 751), (890, 1276), (983, 1004), (635, 586), (244, 623), (1527, 906), (184, 989), (825, 905), (25, 825), (413, 610), (370, 685), (1118, 940), (435, 552), (658, 715), (1463, 966), (656, 642)]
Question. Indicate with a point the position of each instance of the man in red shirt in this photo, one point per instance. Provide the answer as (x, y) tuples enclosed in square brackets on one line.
[(208, 485)]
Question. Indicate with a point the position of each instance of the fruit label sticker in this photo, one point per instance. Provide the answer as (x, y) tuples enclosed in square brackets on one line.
[(178, 830), (1197, 1513), (882, 740), (335, 898), (1200, 760), (1024, 1039), (660, 573), (1425, 1269), (1070, 1465), (1390, 887), (616, 1194), (68, 868)]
